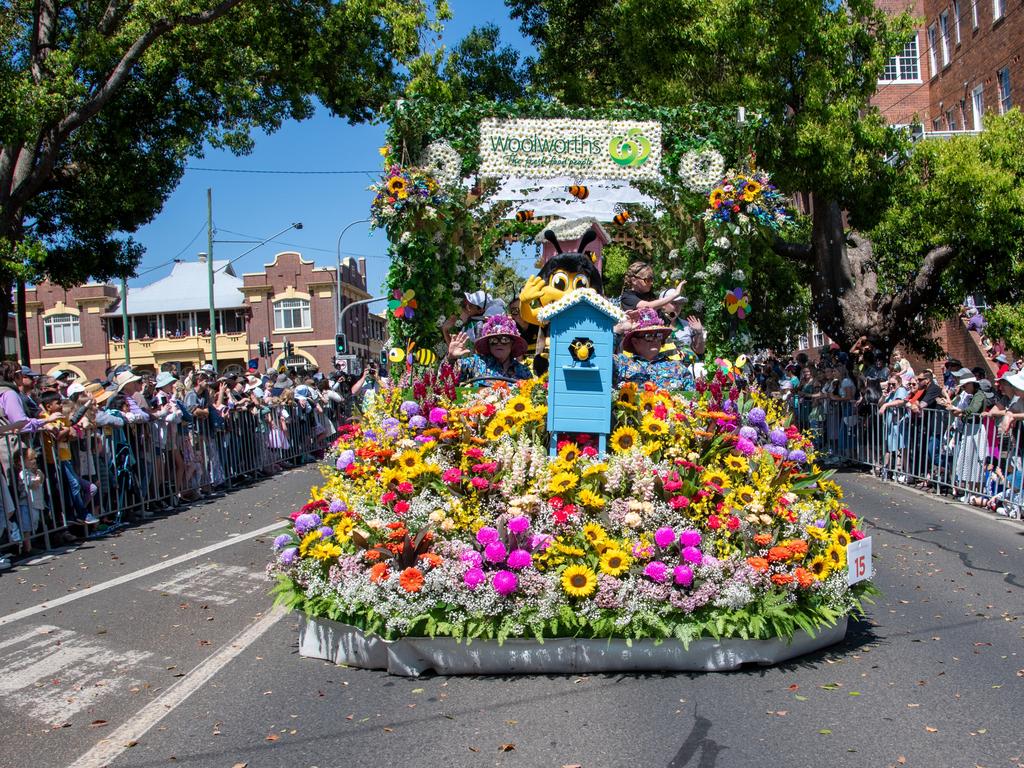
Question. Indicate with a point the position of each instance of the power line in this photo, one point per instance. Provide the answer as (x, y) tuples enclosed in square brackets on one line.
[(189, 245), (293, 173)]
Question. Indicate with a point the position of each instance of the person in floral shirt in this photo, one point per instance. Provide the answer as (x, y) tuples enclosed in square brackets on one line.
[(642, 360), (497, 346)]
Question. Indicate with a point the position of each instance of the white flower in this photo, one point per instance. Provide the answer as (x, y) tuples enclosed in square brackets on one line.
[(632, 519), (405, 238), (715, 269), (722, 243), (443, 162), (738, 275), (698, 305), (701, 170), (673, 254)]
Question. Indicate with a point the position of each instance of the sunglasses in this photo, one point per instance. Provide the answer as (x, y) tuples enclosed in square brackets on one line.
[(649, 336), (494, 340)]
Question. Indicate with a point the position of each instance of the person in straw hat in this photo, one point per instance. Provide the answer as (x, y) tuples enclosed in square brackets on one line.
[(498, 345), (642, 360)]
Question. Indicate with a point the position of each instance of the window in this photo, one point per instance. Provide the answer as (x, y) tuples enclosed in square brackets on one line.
[(998, 10), (817, 336), (62, 329), (951, 120), (937, 123), (802, 342), (978, 106), (933, 43), (1004, 91), (974, 14), (956, 21), (291, 313), (944, 37), (904, 66)]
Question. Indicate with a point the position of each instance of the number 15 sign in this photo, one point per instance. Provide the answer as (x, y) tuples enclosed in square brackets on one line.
[(858, 561)]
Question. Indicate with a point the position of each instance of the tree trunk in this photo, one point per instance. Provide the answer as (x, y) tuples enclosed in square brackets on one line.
[(6, 286), (22, 322)]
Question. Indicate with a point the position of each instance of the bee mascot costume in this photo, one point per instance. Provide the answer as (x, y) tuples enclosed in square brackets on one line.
[(559, 275)]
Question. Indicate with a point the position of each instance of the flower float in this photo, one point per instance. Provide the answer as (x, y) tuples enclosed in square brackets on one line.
[(403, 303), (443, 515), (747, 197)]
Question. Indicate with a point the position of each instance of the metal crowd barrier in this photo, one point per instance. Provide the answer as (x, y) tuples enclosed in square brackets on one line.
[(966, 457), (117, 474)]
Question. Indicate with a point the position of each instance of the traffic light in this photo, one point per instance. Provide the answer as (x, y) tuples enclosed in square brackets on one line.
[(341, 344), (288, 347), (384, 359)]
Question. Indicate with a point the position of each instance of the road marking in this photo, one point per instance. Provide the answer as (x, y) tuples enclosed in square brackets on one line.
[(213, 583), (156, 567), (53, 674), (127, 735)]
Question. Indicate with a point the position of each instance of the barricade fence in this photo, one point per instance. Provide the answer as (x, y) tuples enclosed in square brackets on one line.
[(970, 457), (59, 481)]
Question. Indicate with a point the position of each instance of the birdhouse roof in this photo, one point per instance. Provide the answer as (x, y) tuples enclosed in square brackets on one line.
[(588, 295)]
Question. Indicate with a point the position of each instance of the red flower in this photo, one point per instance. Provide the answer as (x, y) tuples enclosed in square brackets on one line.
[(781, 579), (583, 439), (411, 580), (804, 578), (856, 534), (777, 554), (379, 572), (758, 563), (569, 509), (474, 453), (588, 451), (679, 502), (481, 484), (401, 507), (660, 411), (556, 502), (388, 497), (714, 523), (763, 539), (489, 467), (405, 487), (733, 523)]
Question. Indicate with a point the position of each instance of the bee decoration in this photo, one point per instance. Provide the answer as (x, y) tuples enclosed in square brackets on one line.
[(396, 355), (424, 356), (579, 191), (581, 349), (524, 216), (622, 217)]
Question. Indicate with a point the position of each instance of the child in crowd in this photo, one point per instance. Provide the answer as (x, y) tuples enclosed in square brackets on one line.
[(31, 494)]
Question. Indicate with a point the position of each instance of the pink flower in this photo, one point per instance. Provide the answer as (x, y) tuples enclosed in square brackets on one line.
[(471, 557), (453, 475), (480, 483), (690, 538), (474, 453), (505, 582), (519, 558), (664, 537), (487, 534), (519, 524), (405, 487), (656, 570), (495, 552), (744, 446), (473, 578), (401, 507), (672, 482), (692, 555), (388, 497), (714, 523), (683, 575), (856, 534), (488, 467), (588, 451), (438, 415), (733, 523), (679, 502), (556, 502)]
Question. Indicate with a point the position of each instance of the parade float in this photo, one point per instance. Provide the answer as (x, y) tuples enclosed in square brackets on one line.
[(564, 523)]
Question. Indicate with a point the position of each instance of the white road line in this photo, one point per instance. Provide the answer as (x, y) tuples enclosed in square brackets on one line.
[(142, 572), (108, 750)]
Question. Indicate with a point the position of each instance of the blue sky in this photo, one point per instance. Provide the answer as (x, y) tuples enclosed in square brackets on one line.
[(254, 206)]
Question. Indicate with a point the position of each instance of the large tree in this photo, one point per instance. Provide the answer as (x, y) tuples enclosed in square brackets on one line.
[(895, 232), (103, 103)]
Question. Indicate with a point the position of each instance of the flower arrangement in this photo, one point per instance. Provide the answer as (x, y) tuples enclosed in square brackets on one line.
[(404, 190), (742, 197), (700, 170), (443, 514)]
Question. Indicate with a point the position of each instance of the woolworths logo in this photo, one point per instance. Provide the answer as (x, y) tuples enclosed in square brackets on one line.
[(630, 150)]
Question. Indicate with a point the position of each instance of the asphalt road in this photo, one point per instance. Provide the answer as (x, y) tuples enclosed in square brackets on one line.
[(152, 655)]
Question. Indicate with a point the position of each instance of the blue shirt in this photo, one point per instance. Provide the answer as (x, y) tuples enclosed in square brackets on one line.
[(475, 366), (665, 373)]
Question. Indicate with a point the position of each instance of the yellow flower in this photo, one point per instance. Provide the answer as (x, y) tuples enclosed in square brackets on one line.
[(594, 533), (559, 545), (716, 197), (716, 477), (308, 541), (751, 190), (624, 439), (736, 463), (653, 447), (593, 469), (325, 551), (836, 556), (408, 460), (816, 533), (654, 426), (520, 406), (841, 538), (744, 495), (343, 529), (588, 498), (819, 567), (383, 151), (569, 453), (396, 185), (562, 482), (579, 580), (495, 429), (614, 562)]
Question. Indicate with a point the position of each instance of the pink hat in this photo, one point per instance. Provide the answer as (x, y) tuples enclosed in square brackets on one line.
[(648, 321), (500, 325)]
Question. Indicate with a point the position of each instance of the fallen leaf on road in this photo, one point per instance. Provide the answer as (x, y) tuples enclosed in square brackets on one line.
[(273, 737), (825, 732), (855, 693), (389, 730), (417, 690), (473, 749), (794, 687), (930, 729), (240, 765), (97, 723), (901, 760), (798, 697), (506, 747)]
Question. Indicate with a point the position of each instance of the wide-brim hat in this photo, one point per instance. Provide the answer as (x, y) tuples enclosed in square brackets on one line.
[(986, 386), (1000, 358), (1015, 380), (500, 325), (127, 377), (649, 321), (164, 378)]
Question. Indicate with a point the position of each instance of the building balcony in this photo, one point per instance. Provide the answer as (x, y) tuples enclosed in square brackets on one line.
[(194, 349)]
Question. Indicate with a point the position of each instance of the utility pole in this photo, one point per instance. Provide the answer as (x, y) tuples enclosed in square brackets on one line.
[(209, 268), (124, 320)]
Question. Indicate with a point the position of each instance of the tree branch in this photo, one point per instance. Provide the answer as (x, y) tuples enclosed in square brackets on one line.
[(907, 303), (44, 28), (801, 252), (111, 16)]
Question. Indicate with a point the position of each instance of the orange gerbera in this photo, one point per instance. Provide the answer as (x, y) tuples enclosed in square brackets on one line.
[(371, 555), (763, 539), (798, 547), (775, 554), (411, 580), (379, 572), (758, 563), (431, 559), (804, 578), (781, 579)]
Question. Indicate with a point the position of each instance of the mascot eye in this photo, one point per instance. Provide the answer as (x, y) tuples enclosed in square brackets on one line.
[(581, 281), (559, 281)]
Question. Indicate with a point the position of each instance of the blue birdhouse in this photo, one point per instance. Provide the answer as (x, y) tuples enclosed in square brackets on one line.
[(581, 342)]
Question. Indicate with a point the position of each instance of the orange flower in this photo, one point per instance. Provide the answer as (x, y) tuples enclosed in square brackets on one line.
[(448, 434), (411, 580), (758, 563), (431, 559), (781, 579), (804, 578), (775, 554), (371, 555), (798, 547), (379, 572), (763, 539)]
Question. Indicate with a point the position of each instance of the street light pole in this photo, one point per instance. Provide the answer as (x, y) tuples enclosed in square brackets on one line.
[(209, 272), (339, 313), (124, 320)]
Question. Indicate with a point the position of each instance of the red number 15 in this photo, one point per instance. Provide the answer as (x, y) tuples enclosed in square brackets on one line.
[(859, 566)]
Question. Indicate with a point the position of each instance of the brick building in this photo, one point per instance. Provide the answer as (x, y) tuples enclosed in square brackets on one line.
[(81, 328)]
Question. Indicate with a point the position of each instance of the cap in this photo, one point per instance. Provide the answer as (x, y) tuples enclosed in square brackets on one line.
[(164, 378), (208, 368), (61, 373), (26, 371), (75, 388)]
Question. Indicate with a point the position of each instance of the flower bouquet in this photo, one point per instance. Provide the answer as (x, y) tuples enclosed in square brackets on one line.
[(445, 516), (743, 197), (404, 190)]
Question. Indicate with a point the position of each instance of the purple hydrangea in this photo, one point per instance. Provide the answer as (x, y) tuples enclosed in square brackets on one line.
[(748, 433), (306, 522), (487, 534), (326, 532), (473, 578), (656, 570), (756, 416), (495, 552), (777, 451), (282, 541), (418, 422), (690, 538), (410, 408), (345, 459), (692, 555), (370, 435), (390, 422), (337, 507), (424, 439), (472, 557), (798, 456), (519, 559), (744, 446), (778, 436), (683, 575), (505, 582), (664, 537), (288, 556), (438, 415), (519, 524)]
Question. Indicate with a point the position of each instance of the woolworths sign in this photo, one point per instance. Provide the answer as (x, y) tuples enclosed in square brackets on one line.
[(591, 149)]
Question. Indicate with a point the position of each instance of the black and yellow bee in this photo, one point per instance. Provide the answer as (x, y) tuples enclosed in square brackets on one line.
[(622, 217), (396, 354), (425, 356), (579, 191), (524, 216), (581, 349)]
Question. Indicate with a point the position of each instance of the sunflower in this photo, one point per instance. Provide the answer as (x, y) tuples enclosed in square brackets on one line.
[(614, 562), (717, 197), (624, 439), (569, 452), (751, 190), (559, 545), (579, 581), (819, 567), (744, 495), (325, 551), (736, 463), (495, 429), (594, 533), (343, 529), (562, 482), (594, 468), (651, 448), (841, 538), (627, 393), (396, 184), (518, 405), (816, 533), (588, 498), (654, 426), (836, 556), (409, 461), (716, 477)]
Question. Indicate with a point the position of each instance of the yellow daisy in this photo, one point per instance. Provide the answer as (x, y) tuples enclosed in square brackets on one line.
[(819, 567), (716, 197), (654, 426), (744, 495), (614, 562), (579, 581), (562, 482), (408, 460), (716, 477), (343, 529), (495, 429), (624, 439), (751, 190), (325, 551), (841, 538), (566, 549), (816, 533), (569, 452), (836, 556)]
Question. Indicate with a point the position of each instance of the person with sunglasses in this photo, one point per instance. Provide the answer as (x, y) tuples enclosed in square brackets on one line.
[(642, 358), (687, 337), (497, 349)]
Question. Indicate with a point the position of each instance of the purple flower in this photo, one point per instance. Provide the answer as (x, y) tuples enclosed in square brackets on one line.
[(756, 416), (326, 532), (282, 541), (337, 507), (540, 541), (519, 559), (692, 555), (778, 436), (390, 423), (776, 450), (690, 538), (345, 459), (410, 408), (424, 439), (370, 435), (495, 552), (472, 557), (392, 432), (683, 575), (417, 422), (288, 556), (798, 456), (487, 534), (519, 524), (505, 582), (306, 522), (749, 433), (438, 415), (664, 537), (744, 446), (473, 578), (656, 570)]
